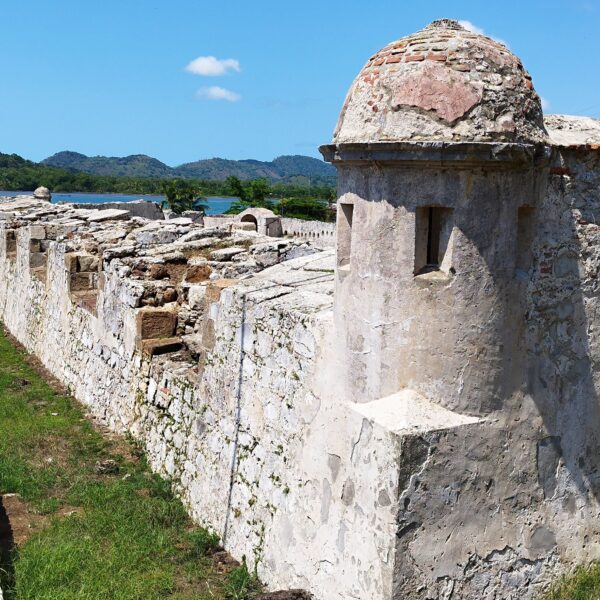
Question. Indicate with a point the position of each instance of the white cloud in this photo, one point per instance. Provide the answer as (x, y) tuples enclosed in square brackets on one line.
[(469, 26), (217, 93), (210, 66), (545, 103)]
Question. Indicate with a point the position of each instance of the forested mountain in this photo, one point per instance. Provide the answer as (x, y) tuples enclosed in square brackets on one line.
[(17, 173), (292, 169), (136, 165), (14, 161)]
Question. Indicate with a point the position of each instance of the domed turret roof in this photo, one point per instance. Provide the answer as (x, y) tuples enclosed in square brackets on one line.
[(42, 193), (443, 83)]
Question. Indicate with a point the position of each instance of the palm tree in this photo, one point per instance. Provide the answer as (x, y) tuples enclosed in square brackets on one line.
[(182, 195)]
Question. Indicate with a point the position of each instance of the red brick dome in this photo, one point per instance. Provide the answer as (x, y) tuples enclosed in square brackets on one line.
[(443, 83)]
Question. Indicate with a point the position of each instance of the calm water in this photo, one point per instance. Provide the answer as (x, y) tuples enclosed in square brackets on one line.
[(216, 205)]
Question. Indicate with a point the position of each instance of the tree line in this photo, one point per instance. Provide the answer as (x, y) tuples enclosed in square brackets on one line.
[(183, 194), (287, 199)]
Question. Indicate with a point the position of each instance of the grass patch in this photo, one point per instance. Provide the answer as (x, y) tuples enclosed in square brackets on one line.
[(121, 535), (241, 584), (582, 584)]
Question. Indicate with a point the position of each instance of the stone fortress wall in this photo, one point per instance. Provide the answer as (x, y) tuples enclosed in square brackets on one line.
[(320, 233), (157, 328), (414, 415)]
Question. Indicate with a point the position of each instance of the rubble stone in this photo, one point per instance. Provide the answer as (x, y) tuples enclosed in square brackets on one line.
[(42, 193)]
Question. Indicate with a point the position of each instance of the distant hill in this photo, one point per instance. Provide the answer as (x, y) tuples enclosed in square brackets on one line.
[(296, 169), (289, 176), (221, 168), (13, 161), (136, 165)]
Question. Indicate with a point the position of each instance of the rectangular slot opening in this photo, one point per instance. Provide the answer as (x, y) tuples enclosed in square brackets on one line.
[(38, 258), (11, 244), (525, 230), (432, 235), (344, 233), (83, 280)]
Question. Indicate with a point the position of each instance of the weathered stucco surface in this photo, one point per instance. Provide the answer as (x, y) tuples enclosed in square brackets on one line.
[(502, 330)]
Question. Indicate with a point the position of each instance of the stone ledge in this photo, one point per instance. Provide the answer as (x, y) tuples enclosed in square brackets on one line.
[(460, 155), (161, 346), (408, 412)]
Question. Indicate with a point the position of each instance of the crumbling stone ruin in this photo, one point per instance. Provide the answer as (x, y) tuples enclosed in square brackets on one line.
[(412, 415)]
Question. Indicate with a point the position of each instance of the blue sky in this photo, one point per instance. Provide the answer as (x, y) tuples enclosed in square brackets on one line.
[(109, 76)]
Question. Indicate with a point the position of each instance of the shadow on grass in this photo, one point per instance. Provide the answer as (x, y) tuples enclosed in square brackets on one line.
[(7, 544)]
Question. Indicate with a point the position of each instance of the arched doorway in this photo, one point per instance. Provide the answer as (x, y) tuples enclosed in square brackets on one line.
[(250, 219)]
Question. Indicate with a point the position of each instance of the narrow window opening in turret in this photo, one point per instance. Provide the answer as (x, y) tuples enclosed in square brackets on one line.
[(432, 236), (525, 231), (344, 228)]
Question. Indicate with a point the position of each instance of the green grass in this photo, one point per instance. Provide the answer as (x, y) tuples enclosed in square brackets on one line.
[(583, 584), (121, 536)]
